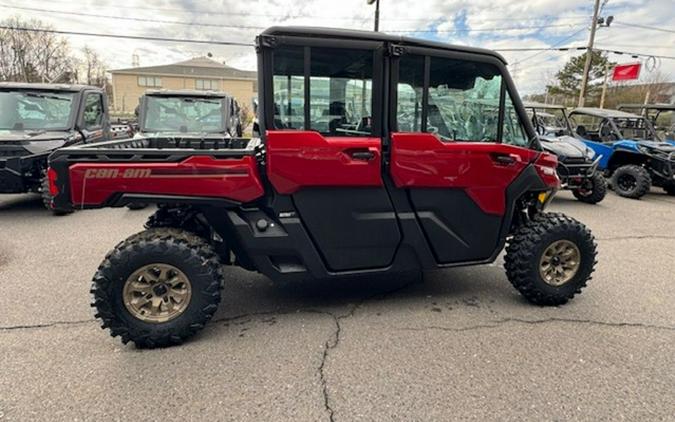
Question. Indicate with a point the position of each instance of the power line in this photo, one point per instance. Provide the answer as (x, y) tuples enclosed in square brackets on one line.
[(441, 31), (129, 37), (564, 40), (95, 15), (653, 28), (174, 22), (242, 44), (298, 16)]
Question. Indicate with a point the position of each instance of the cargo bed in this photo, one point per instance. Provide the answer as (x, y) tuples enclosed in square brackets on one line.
[(173, 169)]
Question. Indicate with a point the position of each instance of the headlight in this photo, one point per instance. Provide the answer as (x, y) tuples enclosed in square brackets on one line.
[(590, 154), (643, 149)]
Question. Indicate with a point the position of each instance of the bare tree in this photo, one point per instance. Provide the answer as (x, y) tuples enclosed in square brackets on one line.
[(32, 56), (93, 68)]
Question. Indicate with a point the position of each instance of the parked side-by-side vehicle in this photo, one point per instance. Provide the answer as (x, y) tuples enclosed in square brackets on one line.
[(37, 119), (577, 163), (378, 154), (188, 113), (632, 153), (662, 117)]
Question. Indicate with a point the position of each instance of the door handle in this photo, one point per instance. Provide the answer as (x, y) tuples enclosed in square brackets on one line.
[(362, 155), (503, 159)]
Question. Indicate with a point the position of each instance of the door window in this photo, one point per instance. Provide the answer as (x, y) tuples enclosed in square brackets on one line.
[(340, 90), (461, 103), (93, 111), (513, 132)]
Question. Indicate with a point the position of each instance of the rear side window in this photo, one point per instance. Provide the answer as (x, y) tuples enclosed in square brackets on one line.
[(461, 103), (93, 111), (334, 97)]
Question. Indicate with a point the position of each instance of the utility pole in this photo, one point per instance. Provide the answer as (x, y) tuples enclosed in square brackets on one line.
[(604, 86), (377, 13), (589, 54)]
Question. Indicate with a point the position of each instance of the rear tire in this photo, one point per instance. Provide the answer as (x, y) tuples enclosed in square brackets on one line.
[(670, 189), (48, 199), (594, 191), (631, 181), (124, 296), (531, 266)]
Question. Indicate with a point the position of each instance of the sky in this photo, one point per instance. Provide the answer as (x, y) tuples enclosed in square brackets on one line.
[(495, 24)]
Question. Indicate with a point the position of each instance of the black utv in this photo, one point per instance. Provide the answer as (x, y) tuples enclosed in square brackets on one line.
[(37, 119), (577, 163), (188, 114)]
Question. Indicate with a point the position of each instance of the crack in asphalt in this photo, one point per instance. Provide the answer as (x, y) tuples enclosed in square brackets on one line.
[(45, 325), (500, 322), (334, 340), (637, 237)]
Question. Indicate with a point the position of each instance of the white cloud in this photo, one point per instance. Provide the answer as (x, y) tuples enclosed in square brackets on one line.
[(561, 18)]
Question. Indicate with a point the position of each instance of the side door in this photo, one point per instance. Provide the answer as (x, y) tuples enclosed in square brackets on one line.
[(323, 142), (457, 144), (92, 118)]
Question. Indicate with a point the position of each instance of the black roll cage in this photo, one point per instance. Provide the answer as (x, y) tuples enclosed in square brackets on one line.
[(386, 55)]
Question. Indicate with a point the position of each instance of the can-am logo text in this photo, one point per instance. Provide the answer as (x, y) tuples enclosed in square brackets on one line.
[(115, 173)]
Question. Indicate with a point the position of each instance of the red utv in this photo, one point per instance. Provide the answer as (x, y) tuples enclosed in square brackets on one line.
[(379, 154)]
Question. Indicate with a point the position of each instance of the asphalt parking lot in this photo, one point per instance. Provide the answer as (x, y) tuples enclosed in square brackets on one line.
[(453, 344)]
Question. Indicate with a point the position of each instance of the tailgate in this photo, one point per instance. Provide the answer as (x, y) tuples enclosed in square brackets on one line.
[(100, 176)]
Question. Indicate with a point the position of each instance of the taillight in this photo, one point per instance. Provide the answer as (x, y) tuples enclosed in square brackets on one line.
[(546, 166), (51, 175)]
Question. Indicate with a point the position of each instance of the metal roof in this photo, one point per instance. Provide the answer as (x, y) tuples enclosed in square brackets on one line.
[(532, 104), (309, 31), (648, 106), (185, 93), (605, 113), (46, 87), (194, 68)]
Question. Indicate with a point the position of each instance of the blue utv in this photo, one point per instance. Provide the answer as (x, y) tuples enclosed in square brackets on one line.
[(632, 154)]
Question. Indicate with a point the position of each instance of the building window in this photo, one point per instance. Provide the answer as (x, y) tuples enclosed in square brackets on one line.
[(150, 81), (206, 84)]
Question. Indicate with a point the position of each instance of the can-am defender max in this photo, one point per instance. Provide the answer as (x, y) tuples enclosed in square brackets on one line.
[(577, 163), (378, 156), (35, 120)]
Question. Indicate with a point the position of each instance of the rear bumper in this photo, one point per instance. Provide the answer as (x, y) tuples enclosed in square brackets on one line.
[(21, 174), (573, 175)]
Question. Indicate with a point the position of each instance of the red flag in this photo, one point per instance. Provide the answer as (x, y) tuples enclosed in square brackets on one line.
[(626, 72)]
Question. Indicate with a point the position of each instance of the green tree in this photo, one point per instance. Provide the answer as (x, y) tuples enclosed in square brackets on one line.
[(568, 79)]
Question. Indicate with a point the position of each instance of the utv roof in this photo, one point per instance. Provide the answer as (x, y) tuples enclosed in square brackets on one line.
[(185, 93), (531, 104), (46, 87), (649, 106), (605, 113), (316, 32)]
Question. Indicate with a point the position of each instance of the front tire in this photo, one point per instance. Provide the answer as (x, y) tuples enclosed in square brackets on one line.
[(631, 181), (593, 191), (158, 287), (550, 259)]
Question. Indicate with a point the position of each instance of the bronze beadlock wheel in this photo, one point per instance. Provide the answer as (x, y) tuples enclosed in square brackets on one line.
[(550, 258), (157, 293), (559, 263)]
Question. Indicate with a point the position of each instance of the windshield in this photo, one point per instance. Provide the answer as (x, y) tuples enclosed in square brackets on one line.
[(635, 128), (29, 110), (180, 114), (550, 122)]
